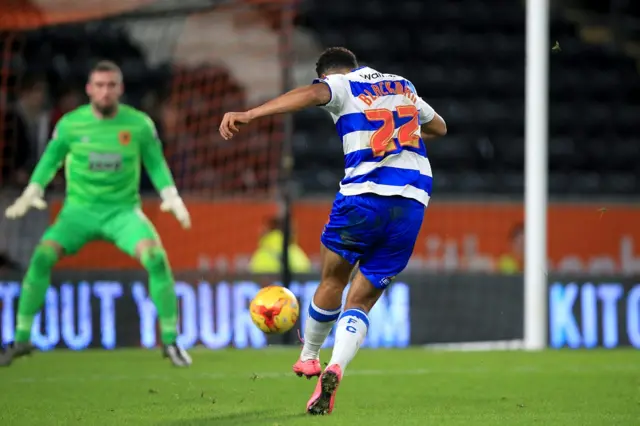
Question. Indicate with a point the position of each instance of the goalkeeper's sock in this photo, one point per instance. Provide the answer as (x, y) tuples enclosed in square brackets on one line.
[(34, 289), (350, 333), (317, 328), (162, 290)]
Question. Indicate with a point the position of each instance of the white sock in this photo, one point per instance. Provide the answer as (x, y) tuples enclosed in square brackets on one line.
[(350, 333), (317, 328)]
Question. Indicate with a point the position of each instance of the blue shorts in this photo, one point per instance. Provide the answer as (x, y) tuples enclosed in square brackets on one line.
[(379, 232)]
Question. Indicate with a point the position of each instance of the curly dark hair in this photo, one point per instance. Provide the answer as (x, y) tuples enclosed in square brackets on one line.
[(336, 58)]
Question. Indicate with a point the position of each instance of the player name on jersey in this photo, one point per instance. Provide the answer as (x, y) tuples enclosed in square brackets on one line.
[(386, 88)]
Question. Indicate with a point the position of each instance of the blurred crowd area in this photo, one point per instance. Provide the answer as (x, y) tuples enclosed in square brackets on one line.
[(467, 59)]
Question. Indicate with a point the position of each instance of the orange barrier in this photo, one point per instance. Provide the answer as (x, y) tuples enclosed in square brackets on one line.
[(455, 235)]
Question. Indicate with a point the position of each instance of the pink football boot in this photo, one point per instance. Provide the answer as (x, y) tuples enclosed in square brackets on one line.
[(324, 396), (309, 368)]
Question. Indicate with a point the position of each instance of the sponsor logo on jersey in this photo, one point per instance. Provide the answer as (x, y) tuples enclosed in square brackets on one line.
[(104, 162), (124, 137), (372, 76)]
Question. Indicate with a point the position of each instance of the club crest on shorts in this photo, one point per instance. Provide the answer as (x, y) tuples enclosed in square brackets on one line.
[(124, 137), (386, 281)]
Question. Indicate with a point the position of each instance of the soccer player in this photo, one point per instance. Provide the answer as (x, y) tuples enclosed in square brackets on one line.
[(102, 144), (379, 209)]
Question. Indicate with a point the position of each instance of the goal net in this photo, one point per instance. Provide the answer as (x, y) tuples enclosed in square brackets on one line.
[(185, 63)]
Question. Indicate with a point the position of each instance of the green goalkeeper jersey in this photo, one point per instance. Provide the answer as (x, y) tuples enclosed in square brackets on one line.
[(102, 157)]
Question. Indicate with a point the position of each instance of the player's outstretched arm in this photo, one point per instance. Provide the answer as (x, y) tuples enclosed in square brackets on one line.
[(45, 171), (160, 175), (294, 100)]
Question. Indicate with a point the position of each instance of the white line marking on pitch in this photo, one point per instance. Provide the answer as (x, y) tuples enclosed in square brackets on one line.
[(623, 368)]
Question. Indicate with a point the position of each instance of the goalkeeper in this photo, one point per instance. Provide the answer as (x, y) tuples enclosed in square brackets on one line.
[(102, 144)]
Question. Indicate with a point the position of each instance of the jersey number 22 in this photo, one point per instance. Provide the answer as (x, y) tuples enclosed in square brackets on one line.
[(382, 139)]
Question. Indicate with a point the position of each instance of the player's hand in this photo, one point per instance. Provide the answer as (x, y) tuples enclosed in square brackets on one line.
[(31, 198), (231, 123), (171, 202)]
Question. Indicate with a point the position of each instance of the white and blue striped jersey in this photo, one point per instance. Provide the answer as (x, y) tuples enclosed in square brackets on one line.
[(378, 118)]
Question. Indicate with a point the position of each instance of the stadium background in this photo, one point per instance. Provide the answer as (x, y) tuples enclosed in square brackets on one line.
[(188, 62)]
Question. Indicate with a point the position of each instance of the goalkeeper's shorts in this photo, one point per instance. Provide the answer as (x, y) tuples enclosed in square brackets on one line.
[(124, 226)]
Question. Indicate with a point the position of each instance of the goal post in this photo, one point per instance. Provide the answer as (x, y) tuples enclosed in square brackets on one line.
[(536, 171)]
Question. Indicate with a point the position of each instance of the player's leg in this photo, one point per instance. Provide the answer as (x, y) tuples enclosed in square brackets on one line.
[(344, 239), (67, 235), (351, 331), (377, 268), (354, 322), (135, 235), (36, 282), (163, 294), (324, 310)]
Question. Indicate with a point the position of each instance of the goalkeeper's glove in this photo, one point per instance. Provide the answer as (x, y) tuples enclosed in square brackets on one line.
[(31, 197), (171, 202)]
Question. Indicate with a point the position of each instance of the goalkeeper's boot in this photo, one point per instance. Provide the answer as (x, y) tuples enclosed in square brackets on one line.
[(178, 356), (309, 368), (324, 395), (14, 350)]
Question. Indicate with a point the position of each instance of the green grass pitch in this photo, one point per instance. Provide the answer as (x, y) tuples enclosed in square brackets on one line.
[(381, 387)]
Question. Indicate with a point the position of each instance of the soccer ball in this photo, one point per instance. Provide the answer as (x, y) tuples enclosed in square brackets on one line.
[(275, 309)]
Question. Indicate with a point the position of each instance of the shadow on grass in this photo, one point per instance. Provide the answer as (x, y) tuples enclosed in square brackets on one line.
[(259, 417)]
